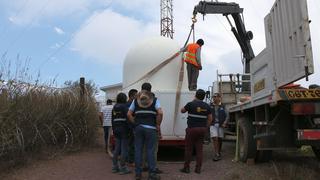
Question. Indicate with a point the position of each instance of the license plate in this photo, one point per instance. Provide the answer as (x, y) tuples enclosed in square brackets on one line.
[(302, 93), (308, 134), (316, 120)]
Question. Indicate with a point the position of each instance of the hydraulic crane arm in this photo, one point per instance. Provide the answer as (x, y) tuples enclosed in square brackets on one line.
[(243, 37)]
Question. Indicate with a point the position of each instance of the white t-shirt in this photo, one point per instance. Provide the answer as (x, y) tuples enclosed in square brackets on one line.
[(107, 114)]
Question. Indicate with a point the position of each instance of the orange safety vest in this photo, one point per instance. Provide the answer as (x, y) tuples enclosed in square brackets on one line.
[(191, 54)]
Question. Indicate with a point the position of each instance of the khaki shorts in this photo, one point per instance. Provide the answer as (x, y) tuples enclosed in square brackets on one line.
[(216, 131)]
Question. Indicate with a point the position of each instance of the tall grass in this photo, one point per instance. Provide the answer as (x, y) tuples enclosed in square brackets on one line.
[(35, 118)]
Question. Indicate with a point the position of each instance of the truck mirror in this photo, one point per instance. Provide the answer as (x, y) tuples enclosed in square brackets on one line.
[(208, 94)]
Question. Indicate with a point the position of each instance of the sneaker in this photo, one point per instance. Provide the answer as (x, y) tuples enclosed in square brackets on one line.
[(124, 171), (131, 164), (198, 171), (158, 171), (115, 170), (205, 142), (185, 170), (217, 157), (154, 177), (138, 176), (145, 169)]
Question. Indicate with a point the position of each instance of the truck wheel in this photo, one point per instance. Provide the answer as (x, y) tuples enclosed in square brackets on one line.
[(247, 145), (316, 151), (264, 156)]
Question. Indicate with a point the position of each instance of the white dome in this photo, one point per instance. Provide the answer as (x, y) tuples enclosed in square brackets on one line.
[(145, 56)]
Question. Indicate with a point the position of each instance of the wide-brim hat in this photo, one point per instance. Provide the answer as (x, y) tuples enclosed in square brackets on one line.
[(145, 99)]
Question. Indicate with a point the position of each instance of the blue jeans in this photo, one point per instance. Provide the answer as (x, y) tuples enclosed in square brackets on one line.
[(148, 137), (106, 134), (121, 149)]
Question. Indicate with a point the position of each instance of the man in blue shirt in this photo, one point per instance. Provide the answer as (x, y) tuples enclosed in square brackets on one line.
[(147, 119)]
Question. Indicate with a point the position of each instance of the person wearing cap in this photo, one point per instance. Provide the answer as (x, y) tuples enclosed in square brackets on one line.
[(147, 120), (199, 119), (219, 122), (193, 60)]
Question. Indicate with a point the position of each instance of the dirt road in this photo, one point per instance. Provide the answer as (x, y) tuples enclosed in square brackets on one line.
[(94, 164)]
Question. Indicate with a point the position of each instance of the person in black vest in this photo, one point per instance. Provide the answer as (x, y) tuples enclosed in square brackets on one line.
[(121, 131), (147, 120), (144, 153), (219, 122), (132, 96), (199, 119)]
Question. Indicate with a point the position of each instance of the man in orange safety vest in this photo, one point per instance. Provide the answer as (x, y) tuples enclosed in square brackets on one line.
[(193, 60)]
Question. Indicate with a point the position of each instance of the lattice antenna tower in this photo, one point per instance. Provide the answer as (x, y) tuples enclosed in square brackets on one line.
[(166, 22)]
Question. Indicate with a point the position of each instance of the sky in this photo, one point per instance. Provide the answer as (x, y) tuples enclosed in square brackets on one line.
[(65, 40)]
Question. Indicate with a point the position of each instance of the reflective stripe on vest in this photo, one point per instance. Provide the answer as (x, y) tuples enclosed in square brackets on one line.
[(197, 116), (120, 119), (191, 54), (145, 112)]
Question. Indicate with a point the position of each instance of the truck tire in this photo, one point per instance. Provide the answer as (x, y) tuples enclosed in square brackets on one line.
[(264, 156), (247, 145), (316, 151)]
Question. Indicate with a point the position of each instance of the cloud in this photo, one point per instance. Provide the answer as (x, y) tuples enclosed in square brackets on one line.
[(24, 13), (228, 63), (109, 41), (314, 15), (145, 9), (107, 36), (11, 19), (56, 46), (59, 31), (221, 51)]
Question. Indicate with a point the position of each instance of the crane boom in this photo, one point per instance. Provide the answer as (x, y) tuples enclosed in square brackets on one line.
[(243, 37)]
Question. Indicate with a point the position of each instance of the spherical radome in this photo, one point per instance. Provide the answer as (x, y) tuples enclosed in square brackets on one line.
[(145, 56)]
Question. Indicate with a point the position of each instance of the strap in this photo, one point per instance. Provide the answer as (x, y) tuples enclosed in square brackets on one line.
[(155, 69), (147, 126), (120, 119), (197, 116), (178, 94), (145, 112), (191, 30), (181, 74)]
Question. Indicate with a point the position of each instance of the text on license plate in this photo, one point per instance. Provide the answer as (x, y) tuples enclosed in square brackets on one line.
[(303, 93)]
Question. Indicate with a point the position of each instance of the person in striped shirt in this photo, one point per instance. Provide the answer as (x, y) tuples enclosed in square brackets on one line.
[(105, 120)]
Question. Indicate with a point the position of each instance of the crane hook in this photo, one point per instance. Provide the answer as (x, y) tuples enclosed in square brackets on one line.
[(194, 19)]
